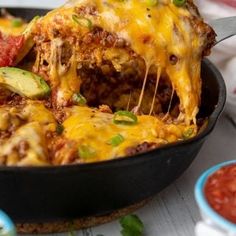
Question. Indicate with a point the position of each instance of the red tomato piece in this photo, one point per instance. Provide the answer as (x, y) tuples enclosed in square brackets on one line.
[(9, 48)]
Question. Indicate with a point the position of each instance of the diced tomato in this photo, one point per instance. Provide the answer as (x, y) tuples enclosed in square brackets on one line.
[(9, 48), (220, 191)]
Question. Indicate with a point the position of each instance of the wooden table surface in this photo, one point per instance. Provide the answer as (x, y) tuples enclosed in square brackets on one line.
[(173, 212)]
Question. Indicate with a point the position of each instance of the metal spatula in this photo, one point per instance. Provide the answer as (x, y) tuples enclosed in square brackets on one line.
[(224, 28)]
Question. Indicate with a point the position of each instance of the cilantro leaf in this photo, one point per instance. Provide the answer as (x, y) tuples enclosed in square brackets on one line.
[(132, 226)]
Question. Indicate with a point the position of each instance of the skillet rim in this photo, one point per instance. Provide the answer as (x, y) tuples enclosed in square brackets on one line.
[(141, 157)]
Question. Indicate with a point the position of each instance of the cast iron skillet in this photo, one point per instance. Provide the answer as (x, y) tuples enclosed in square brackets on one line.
[(65, 192)]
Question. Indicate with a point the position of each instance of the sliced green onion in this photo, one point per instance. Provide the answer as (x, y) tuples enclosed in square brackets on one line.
[(17, 22), (79, 99), (116, 140), (179, 3), (151, 3), (83, 21), (59, 129), (188, 133), (125, 118), (86, 152)]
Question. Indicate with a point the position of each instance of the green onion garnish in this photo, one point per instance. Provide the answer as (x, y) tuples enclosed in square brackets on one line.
[(179, 3), (125, 118), (86, 152), (59, 129), (131, 225), (17, 22), (83, 21), (72, 229), (188, 133), (116, 140), (151, 3), (79, 99)]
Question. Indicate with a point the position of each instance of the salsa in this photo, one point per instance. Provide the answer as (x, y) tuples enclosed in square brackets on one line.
[(220, 192)]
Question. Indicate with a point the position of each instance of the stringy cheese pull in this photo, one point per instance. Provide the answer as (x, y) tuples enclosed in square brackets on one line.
[(157, 34)]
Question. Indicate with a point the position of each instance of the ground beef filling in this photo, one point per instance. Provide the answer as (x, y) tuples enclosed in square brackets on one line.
[(110, 72)]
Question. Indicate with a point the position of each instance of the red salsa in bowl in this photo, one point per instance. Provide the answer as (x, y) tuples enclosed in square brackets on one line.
[(220, 192)]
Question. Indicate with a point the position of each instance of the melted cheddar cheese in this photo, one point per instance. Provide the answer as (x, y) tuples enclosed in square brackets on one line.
[(156, 33), (31, 124), (84, 126), (36, 154), (93, 128)]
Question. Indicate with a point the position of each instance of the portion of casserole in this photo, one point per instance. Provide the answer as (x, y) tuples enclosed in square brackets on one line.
[(96, 80)]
